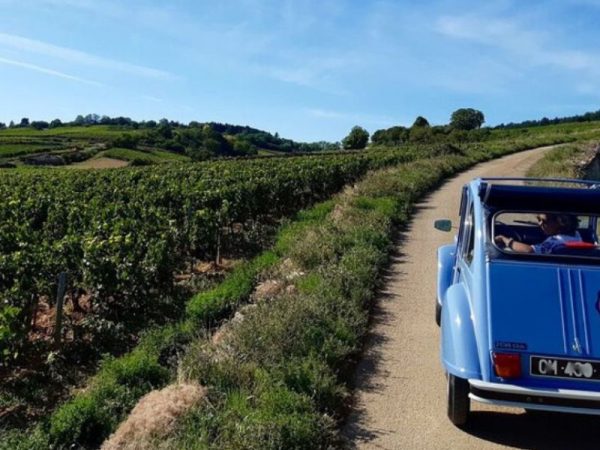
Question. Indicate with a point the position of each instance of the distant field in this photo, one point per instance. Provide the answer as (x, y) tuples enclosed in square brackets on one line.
[(153, 156), (95, 131), (100, 163), (12, 150), (18, 142)]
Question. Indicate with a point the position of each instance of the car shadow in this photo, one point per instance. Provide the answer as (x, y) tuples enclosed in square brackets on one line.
[(536, 430)]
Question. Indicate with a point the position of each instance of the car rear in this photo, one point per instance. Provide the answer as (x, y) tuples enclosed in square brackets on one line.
[(544, 336)]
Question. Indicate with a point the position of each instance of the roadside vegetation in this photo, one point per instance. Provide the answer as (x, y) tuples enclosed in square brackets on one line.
[(575, 161)]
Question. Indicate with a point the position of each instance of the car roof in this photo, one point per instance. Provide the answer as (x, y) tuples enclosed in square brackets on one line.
[(575, 196)]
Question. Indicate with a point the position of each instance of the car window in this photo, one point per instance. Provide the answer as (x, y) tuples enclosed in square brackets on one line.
[(546, 233), (469, 233)]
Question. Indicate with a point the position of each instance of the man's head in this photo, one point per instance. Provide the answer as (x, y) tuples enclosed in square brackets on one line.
[(557, 223)]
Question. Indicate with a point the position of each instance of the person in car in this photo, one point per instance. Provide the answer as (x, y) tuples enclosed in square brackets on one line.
[(560, 229)]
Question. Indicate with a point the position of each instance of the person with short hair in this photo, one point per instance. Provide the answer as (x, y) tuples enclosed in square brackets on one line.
[(560, 229)]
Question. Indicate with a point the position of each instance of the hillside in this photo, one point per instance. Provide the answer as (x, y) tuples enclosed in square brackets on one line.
[(143, 143)]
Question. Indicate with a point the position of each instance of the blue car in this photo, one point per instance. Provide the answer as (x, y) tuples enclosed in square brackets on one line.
[(518, 297)]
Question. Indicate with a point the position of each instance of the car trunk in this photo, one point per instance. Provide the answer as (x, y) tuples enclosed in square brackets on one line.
[(545, 309)]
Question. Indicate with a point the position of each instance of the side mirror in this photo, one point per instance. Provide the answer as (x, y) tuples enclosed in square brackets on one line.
[(443, 225)]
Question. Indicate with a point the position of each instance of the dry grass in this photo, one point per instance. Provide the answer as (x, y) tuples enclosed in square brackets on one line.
[(154, 416), (100, 163)]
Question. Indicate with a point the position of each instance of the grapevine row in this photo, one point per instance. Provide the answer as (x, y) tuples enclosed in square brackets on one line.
[(122, 235)]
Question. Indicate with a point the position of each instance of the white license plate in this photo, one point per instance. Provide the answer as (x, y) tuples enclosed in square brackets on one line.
[(543, 366)]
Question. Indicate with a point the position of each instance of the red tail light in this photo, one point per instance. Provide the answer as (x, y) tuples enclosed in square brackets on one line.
[(507, 365)]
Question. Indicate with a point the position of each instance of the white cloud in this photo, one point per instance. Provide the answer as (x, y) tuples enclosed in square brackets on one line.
[(152, 98), (530, 47), (366, 119), (79, 57), (47, 71)]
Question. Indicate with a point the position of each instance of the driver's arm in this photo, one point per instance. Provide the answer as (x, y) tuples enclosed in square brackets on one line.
[(514, 245)]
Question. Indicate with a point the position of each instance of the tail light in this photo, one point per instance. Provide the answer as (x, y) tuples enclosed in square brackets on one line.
[(507, 365)]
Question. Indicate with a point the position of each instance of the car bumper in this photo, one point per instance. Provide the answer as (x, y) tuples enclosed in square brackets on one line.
[(559, 400)]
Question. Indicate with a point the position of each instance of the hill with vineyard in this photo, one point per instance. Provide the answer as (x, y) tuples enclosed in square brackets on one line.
[(90, 142)]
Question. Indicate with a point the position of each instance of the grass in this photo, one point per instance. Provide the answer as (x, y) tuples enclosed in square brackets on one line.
[(562, 162), (91, 415), (142, 156), (126, 154), (94, 131), (12, 150)]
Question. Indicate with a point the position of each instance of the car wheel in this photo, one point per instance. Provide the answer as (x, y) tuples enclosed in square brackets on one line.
[(438, 313), (459, 403)]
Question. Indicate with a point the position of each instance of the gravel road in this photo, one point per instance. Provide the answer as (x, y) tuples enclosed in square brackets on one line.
[(400, 396)]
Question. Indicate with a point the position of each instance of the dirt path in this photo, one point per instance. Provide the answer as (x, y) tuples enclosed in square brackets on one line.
[(400, 400)]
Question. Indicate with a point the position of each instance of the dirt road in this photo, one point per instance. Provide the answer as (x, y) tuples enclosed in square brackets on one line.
[(400, 400)]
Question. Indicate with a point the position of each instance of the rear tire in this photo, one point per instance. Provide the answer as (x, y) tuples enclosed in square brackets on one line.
[(438, 313), (459, 403)]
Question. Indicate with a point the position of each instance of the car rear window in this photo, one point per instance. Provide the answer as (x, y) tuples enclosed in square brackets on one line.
[(546, 233)]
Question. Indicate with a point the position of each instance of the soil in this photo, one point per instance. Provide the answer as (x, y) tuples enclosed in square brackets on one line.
[(100, 163)]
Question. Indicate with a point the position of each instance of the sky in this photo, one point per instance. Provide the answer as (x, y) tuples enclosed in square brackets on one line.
[(309, 70)]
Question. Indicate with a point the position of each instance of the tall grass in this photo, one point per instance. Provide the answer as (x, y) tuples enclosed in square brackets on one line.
[(561, 162)]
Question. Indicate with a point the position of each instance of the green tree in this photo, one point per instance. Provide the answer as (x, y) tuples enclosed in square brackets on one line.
[(357, 139), (55, 123), (39, 124), (466, 119), (24, 122), (421, 122)]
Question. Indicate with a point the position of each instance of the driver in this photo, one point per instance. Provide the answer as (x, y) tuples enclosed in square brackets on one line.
[(560, 228)]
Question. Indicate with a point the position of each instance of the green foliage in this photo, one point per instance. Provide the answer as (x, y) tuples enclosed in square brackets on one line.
[(420, 121), (93, 414), (208, 307), (126, 140), (466, 119), (10, 327), (394, 136), (561, 162), (357, 139)]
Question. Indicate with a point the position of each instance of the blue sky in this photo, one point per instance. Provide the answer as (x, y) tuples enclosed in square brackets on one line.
[(307, 69)]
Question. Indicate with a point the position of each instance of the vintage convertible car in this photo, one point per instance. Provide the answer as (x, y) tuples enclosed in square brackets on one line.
[(520, 319)]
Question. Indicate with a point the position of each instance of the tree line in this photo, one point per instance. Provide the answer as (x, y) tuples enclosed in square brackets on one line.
[(465, 125), (587, 117)]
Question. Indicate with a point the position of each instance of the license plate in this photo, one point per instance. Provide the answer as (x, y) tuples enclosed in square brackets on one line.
[(565, 368)]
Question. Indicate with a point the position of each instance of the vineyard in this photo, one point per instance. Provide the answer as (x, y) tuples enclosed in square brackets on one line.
[(122, 236), (118, 241)]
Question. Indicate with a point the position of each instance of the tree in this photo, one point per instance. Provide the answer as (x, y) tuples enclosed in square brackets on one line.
[(466, 119), (357, 139), (421, 122), (126, 140), (55, 123), (91, 119), (39, 124), (24, 122)]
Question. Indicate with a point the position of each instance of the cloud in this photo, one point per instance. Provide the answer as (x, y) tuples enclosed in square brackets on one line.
[(47, 71), (374, 120), (152, 98), (79, 57), (529, 46)]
